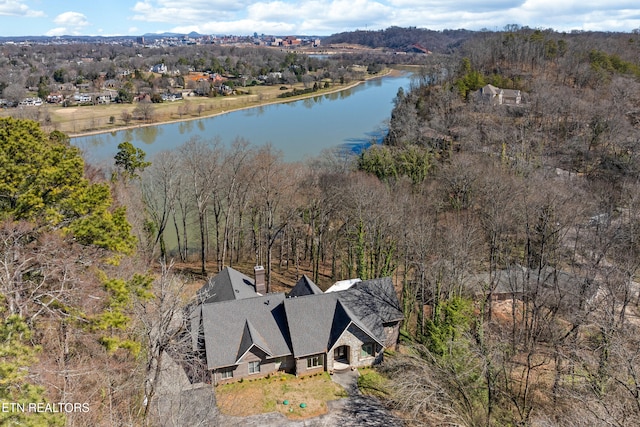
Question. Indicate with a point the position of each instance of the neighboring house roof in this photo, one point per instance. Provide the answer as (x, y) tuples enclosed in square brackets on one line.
[(231, 328), (490, 90), (342, 285), (503, 281), (304, 286), (501, 96), (228, 284), (510, 93), (551, 285)]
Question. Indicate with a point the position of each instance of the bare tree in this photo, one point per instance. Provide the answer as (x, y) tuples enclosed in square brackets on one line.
[(272, 194), (201, 161), (163, 327), (14, 93), (144, 111), (126, 117), (160, 184)]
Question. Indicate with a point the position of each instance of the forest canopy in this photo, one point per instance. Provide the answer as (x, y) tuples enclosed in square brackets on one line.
[(511, 232), (63, 307)]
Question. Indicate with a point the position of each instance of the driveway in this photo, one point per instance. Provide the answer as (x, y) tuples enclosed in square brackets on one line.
[(180, 404), (357, 410)]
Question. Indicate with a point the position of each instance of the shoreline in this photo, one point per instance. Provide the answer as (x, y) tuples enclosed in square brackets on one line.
[(389, 72)]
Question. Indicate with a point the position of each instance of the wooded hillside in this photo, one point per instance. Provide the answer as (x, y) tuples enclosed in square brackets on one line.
[(511, 231), (525, 275)]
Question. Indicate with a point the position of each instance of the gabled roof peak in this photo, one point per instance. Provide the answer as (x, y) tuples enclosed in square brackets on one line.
[(251, 337), (228, 284), (305, 286)]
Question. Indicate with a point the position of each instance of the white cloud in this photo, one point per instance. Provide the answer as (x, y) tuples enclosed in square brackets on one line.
[(322, 17), (271, 17), (60, 31), (240, 27), (18, 8), (71, 19), (331, 16), (69, 23), (190, 13)]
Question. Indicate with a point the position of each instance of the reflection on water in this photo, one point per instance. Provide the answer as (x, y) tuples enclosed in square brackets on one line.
[(148, 134), (298, 128), (128, 135), (358, 145), (185, 127), (332, 96), (309, 102)]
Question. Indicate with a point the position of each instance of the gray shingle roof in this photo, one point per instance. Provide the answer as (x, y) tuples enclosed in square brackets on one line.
[(310, 321), (263, 319), (228, 284), (304, 286), (490, 90), (550, 286), (316, 321), (251, 337), (342, 319), (235, 319), (375, 303), (195, 314)]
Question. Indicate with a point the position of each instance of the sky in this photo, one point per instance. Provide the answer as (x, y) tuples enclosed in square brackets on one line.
[(306, 17)]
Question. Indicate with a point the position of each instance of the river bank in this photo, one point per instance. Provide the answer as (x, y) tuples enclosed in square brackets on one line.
[(345, 118), (95, 120)]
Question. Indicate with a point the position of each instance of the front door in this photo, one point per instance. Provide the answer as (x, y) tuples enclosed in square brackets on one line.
[(341, 353)]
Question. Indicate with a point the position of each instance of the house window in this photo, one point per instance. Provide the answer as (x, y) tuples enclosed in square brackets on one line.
[(314, 361), (254, 367), (366, 350), (225, 374)]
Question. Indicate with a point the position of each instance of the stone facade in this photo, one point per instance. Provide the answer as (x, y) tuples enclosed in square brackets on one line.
[(392, 333), (354, 338)]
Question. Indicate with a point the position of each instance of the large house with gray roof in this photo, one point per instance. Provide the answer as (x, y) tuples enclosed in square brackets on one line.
[(242, 331)]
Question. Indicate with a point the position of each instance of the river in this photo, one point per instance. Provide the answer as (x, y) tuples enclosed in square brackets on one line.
[(347, 119)]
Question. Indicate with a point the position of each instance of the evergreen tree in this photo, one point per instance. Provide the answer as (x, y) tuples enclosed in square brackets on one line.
[(130, 160), (41, 180), (16, 391)]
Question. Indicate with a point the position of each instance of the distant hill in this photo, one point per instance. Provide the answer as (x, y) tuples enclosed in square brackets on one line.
[(403, 39), (66, 38), (167, 34)]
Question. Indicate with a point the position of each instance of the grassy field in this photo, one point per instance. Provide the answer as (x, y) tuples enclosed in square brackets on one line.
[(81, 120), (252, 397)]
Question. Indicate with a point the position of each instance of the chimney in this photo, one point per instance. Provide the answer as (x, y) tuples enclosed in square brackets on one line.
[(261, 285)]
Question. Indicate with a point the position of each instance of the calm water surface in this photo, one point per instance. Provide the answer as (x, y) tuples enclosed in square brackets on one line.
[(300, 129)]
